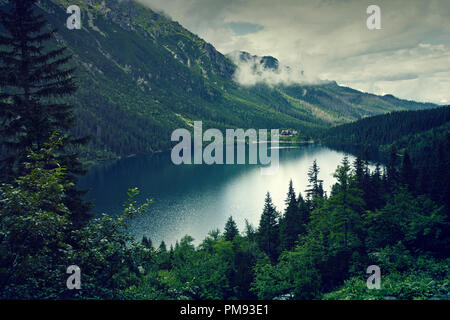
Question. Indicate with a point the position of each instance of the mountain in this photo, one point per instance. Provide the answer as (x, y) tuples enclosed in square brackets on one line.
[(423, 135), (266, 62), (397, 128), (142, 75)]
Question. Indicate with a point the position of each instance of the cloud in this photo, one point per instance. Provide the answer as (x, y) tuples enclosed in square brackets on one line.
[(329, 40), (254, 69), (243, 28)]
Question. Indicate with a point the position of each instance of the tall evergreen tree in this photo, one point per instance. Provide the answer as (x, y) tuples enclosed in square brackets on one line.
[(391, 169), (358, 165), (147, 242), (165, 257), (408, 173), (33, 79), (374, 198), (304, 213), (269, 230), (290, 224), (347, 204), (250, 232), (163, 247), (231, 230), (315, 187), (321, 193), (362, 177)]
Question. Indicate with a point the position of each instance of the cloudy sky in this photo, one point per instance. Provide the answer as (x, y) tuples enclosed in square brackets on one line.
[(329, 39)]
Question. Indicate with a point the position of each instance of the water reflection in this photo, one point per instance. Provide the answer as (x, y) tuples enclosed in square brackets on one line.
[(192, 199)]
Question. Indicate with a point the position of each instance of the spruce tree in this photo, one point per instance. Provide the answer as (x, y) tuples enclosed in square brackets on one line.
[(269, 230), (290, 224), (347, 204), (315, 187), (362, 177), (33, 79), (313, 190), (165, 258), (162, 247), (407, 172), (358, 165), (391, 169), (231, 230), (250, 232), (146, 242), (374, 198), (304, 213)]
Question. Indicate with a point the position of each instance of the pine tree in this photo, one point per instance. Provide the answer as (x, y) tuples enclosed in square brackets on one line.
[(250, 232), (304, 213), (171, 258), (374, 198), (33, 78), (321, 193), (162, 247), (315, 187), (358, 165), (314, 182), (147, 242), (269, 230), (165, 258), (362, 177), (407, 172), (347, 203), (391, 169), (290, 224), (231, 230)]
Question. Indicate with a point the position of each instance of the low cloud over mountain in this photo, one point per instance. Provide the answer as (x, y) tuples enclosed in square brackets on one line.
[(331, 40), (252, 69)]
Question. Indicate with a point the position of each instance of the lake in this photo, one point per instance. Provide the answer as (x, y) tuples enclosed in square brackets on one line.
[(194, 199)]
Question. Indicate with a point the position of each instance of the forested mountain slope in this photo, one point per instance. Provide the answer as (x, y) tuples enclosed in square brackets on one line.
[(417, 138), (141, 75), (386, 129)]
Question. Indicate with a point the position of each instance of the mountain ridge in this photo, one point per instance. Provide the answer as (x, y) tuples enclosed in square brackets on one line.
[(142, 75)]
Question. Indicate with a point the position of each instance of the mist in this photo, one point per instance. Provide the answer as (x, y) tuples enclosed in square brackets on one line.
[(252, 70)]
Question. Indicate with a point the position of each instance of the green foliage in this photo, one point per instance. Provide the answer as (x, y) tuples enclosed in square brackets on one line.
[(294, 277), (164, 77), (417, 148), (404, 236), (35, 78), (345, 208), (417, 222), (425, 279), (315, 189), (342, 238), (33, 226), (38, 241), (231, 230), (146, 242), (385, 129), (268, 235), (293, 222)]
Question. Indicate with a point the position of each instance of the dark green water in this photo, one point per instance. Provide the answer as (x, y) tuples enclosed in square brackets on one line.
[(194, 199)]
